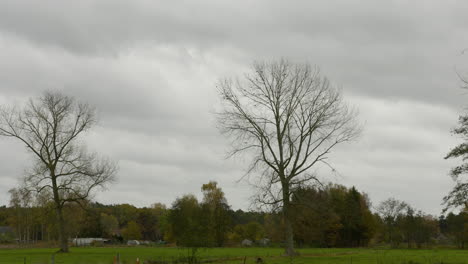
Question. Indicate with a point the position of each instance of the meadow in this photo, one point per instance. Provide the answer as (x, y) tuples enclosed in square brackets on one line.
[(128, 255)]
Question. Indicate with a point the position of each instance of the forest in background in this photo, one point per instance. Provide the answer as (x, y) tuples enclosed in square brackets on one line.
[(328, 216)]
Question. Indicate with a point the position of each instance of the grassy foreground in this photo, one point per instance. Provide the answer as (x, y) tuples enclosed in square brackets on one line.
[(236, 255)]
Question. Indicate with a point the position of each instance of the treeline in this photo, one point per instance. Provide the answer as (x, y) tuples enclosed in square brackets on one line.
[(330, 216)]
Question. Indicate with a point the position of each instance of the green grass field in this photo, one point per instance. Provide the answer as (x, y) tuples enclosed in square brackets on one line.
[(236, 255)]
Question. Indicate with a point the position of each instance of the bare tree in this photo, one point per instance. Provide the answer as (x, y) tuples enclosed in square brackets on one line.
[(287, 117), (50, 127), (390, 210)]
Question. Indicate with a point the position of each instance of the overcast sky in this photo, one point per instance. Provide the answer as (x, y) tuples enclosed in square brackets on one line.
[(151, 67)]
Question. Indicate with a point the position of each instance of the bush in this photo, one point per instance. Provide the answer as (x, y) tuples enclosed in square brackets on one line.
[(7, 238)]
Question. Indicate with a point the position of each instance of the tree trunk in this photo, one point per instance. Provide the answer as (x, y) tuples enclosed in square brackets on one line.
[(289, 250), (63, 239)]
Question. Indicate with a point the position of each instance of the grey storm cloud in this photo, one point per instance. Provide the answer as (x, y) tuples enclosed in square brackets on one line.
[(151, 67)]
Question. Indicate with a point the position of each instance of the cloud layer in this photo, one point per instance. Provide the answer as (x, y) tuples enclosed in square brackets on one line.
[(151, 68)]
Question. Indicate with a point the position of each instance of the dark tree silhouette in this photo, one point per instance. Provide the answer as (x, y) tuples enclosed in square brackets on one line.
[(459, 194)]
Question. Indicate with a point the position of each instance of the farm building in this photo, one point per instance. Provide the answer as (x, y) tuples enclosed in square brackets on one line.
[(88, 241)]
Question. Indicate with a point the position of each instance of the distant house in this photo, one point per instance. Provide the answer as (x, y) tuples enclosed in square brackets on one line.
[(88, 241), (133, 242), (246, 243), (264, 242), (7, 234)]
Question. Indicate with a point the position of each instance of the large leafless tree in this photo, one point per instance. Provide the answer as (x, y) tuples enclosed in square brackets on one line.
[(50, 127), (287, 118)]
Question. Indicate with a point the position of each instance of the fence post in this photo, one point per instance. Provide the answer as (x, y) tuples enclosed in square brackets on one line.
[(52, 259)]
